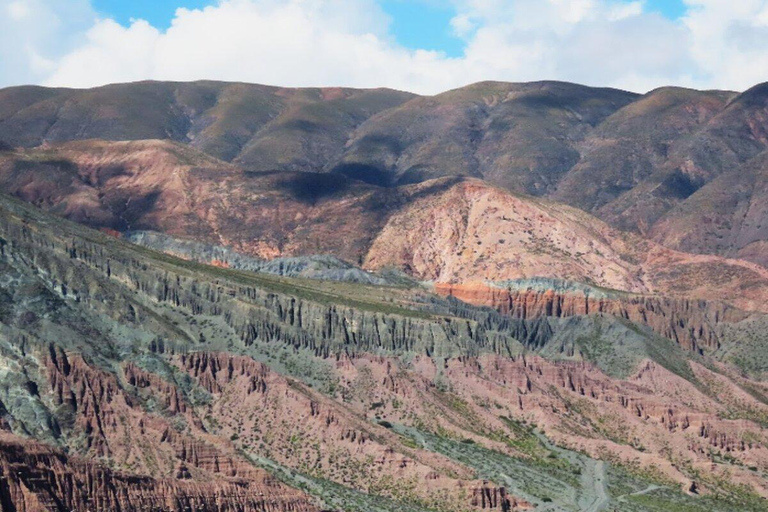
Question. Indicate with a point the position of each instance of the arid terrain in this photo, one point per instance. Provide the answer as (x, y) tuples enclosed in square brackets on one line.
[(234, 297)]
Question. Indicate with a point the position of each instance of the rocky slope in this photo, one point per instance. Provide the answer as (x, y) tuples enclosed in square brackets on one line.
[(629, 154), (725, 216), (37, 477), (697, 325), (641, 163), (132, 360), (309, 267), (446, 230), (693, 324), (519, 136), (177, 190), (474, 232)]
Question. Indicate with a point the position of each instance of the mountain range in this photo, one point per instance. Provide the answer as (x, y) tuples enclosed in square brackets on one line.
[(226, 296)]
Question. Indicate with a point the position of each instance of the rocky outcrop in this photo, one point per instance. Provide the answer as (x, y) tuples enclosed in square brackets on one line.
[(251, 403), (488, 497), (640, 397), (38, 478), (296, 314), (693, 324), (106, 413), (214, 371), (474, 232), (179, 375), (173, 401), (308, 267)]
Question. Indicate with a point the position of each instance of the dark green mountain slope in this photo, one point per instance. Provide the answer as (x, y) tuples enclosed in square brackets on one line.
[(633, 161), (276, 126), (522, 137)]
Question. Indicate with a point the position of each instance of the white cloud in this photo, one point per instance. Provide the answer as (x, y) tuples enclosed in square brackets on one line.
[(292, 43), (18, 10), (34, 34), (462, 25), (618, 43), (622, 11), (722, 34), (110, 53)]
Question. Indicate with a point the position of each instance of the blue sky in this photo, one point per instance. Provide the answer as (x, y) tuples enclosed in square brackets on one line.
[(423, 25), (157, 12), (416, 24), (672, 9)]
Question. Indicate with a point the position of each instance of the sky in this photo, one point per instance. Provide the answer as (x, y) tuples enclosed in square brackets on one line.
[(424, 46)]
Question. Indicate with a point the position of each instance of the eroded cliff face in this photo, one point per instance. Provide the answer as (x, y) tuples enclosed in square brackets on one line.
[(39, 478), (653, 418), (693, 324), (159, 415), (135, 445), (474, 232), (195, 384), (290, 423), (255, 307), (140, 420)]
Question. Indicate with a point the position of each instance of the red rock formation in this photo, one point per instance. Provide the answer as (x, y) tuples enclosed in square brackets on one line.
[(137, 377), (488, 497), (474, 232), (256, 403), (38, 478), (184, 469), (214, 371), (651, 417), (691, 323)]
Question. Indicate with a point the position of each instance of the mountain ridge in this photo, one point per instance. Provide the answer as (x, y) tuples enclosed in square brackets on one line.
[(635, 161), (447, 230)]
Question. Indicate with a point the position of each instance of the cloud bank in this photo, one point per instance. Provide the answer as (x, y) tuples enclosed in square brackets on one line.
[(717, 44)]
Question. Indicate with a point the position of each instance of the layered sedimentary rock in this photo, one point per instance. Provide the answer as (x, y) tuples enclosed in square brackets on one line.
[(691, 323), (181, 376), (253, 306), (146, 416), (316, 435), (474, 232), (449, 229), (38, 478)]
